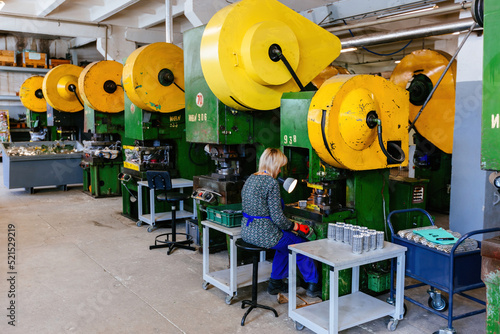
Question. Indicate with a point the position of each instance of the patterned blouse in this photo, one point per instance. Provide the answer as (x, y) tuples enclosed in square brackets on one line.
[(261, 197)]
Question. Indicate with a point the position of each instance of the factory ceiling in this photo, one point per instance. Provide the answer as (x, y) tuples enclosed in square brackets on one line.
[(364, 16)]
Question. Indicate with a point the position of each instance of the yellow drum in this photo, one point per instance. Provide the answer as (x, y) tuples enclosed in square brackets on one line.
[(340, 124), (100, 86), (153, 77), (419, 73), (31, 94), (240, 51), (60, 88)]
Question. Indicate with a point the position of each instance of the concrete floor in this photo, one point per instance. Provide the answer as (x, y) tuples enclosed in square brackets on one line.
[(83, 268)]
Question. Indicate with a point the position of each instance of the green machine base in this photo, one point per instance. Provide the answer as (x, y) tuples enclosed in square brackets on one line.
[(101, 180)]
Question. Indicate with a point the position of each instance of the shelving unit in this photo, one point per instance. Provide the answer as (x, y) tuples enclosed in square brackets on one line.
[(229, 280), (336, 314)]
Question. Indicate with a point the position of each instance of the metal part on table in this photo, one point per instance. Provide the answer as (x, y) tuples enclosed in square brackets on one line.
[(43, 169)]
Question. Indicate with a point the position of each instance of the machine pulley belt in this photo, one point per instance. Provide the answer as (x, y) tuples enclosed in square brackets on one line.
[(412, 124)]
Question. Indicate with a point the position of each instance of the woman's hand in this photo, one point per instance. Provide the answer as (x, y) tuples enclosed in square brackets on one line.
[(295, 226)]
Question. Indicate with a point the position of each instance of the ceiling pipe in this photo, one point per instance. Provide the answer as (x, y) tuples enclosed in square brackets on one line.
[(169, 22), (406, 34), (438, 11)]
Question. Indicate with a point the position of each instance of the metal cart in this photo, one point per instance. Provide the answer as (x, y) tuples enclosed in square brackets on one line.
[(453, 273)]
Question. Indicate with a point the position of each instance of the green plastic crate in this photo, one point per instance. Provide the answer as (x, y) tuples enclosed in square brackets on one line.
[(379, 282), (227, 215)]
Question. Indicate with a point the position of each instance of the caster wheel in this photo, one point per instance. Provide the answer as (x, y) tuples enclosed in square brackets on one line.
[(298, 326), (139, 223), (205, 285), (151, 229), (229, 299), (438, 305), (392, 325)]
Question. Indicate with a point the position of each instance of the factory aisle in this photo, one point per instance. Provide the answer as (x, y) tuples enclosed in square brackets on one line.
[(80, 267)]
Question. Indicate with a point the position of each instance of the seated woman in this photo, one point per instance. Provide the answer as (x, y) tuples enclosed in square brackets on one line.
[(265, 225)]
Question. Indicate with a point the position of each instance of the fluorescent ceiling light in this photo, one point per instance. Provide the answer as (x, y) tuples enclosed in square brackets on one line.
[(2, 4), (410, 11), (348, 50)]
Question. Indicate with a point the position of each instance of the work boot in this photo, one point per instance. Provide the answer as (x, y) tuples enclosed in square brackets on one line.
[(275, 286), (313, 290)]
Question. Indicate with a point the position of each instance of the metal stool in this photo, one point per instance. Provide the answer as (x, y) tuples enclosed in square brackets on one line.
[(255, 274)]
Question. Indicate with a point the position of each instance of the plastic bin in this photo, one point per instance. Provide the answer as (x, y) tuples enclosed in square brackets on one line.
[(227, 215)]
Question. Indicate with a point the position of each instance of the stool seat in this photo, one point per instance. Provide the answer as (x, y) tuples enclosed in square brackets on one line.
[(250, 247), (173, 197), (255, 250)]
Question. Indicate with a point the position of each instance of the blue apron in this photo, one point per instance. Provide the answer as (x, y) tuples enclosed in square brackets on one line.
[(251, 218)]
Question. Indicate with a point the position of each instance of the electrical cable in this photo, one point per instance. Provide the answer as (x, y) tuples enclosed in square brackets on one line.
[(78, 98), (386, 153), (178, 87), (381, 54), (412, 124)]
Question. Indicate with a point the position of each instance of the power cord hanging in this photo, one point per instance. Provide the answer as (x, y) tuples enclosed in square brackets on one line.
[(72, 88)]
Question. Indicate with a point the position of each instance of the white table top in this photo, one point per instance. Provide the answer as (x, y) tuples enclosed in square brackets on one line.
[(233, 231), (340, 255), (176, 183)]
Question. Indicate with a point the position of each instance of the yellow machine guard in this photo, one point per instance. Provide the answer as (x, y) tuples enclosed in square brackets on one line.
[(437, 121), (337, 126), (56, 90), (30, 88), (93, 82), (235, 53), (141, 77)]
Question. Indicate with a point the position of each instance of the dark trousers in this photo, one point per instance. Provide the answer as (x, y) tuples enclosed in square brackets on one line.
[(306, 265)]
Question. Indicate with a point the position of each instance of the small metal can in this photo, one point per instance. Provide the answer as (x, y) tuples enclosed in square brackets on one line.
[(380, 239), (347, 234), (339, 232), (366, 242), (357, 244), (373, 240), (331, 231)]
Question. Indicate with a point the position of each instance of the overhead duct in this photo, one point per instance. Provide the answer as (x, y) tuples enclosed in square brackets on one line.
[(406, 34)]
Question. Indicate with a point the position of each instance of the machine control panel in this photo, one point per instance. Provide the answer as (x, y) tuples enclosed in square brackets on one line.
[(204, 195)]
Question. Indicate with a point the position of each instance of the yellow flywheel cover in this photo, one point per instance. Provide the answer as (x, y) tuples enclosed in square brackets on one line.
[(100, 86), (57, 86), (419, 72), (327, 73), (235, 53), (31, 94), (338, 127), (153, 77)]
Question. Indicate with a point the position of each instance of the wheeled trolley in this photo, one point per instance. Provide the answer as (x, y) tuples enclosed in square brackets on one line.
[(453, 273)]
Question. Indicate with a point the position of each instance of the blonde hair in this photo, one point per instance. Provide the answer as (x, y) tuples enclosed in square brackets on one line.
[(271, 161)]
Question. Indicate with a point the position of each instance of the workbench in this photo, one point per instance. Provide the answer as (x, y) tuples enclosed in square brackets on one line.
[(229, 280), (339, 313), (154, 217)]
